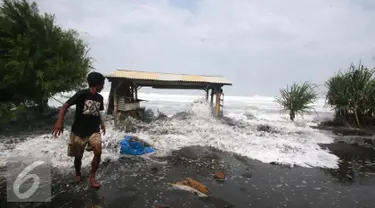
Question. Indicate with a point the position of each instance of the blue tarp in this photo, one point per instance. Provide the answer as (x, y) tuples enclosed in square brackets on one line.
[(134, 147)]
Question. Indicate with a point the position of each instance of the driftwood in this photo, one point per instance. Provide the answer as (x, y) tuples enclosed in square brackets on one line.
[(195, 185)]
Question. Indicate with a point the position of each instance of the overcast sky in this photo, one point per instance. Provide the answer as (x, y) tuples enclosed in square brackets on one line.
[(260, 45)]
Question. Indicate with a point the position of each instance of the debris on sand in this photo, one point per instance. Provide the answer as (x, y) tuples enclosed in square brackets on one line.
[(154, 169), (132, 145), (266, 128), (194, 186), (219, 176)]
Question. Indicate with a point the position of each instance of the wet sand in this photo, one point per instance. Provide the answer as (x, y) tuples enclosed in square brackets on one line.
[(133, 182)]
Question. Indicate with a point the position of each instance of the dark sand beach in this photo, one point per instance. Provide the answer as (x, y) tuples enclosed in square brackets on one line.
[(134, 182)]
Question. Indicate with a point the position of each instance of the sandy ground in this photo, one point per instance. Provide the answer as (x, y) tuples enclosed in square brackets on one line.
[(136, 182)]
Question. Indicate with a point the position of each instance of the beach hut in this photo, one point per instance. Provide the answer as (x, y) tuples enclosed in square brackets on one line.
[(123, 97)]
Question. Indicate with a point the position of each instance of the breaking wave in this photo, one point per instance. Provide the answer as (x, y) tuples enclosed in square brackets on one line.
[(251, 129)]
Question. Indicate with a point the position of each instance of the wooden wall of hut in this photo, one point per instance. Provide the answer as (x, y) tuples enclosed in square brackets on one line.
[(123, 89)]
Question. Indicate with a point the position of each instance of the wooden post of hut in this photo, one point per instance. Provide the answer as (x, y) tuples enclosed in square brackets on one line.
[(136, 92), (217, 102), (131, 93), (115, 105)]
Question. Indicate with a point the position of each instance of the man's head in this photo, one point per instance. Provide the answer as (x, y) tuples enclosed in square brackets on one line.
[(96, 80)]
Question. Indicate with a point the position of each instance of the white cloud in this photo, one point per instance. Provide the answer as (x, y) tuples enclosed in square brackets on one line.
[(260, 45)]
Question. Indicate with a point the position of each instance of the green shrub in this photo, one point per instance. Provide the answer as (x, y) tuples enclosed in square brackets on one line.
[(297, 99), (351, 94)]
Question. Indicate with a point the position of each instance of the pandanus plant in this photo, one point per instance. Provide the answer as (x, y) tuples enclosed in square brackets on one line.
[(297, 99), (352, 93)]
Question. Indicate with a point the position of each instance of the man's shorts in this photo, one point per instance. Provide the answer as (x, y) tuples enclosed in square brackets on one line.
[(76, 144)]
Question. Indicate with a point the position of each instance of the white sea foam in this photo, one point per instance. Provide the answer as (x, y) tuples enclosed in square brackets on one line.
[(290, 143)]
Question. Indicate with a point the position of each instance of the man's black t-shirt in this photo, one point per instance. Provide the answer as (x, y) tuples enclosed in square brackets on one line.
[(87, 117)]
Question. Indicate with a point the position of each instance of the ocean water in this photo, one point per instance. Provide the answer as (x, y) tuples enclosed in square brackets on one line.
[(190, 123)]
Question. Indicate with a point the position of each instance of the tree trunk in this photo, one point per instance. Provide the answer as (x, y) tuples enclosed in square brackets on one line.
[(356, 117), (292, 115)]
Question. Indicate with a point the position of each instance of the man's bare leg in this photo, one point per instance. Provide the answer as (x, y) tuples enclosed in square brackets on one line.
[(95, 143), (77, 166), (94, 167)]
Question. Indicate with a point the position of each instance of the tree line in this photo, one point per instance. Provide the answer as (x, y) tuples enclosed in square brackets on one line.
[(38, 59), (350, 94)]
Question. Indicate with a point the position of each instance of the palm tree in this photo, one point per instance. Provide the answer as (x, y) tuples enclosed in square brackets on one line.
[(297, 99)]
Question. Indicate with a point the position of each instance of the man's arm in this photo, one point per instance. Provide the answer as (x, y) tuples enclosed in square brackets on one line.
[(62, 112), (71, 101), (101, 119), (58, 127)]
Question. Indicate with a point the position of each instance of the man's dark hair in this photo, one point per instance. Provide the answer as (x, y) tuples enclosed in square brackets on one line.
[(95, 79)]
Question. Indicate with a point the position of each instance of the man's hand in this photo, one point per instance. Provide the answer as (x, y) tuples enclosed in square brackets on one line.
[(102, 127), (57, 128)]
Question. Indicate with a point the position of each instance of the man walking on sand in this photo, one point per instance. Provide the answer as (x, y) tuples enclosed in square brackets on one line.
[(86, 126)]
